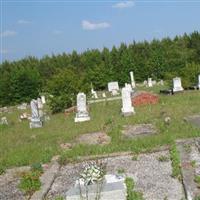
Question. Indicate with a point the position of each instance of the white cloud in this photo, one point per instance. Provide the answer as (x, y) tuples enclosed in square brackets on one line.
[(124, 4), (3, 51), (86, 25), (8, 33), (57, 32), (23, 21)]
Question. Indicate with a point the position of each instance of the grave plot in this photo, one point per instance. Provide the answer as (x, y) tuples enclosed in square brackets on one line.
[(151, 175), (190, 165), (139, 130), (194, 120)]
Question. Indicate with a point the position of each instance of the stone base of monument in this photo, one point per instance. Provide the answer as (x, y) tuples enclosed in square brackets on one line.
[(178, 89), (127, 113), (112, 188), (82, 117), (35, 123)]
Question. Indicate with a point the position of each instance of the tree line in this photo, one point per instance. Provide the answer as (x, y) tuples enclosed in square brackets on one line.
[(64, 75)]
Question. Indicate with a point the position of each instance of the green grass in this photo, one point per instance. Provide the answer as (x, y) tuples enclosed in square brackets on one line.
[(20, 145), (131, 194), (176, 165)]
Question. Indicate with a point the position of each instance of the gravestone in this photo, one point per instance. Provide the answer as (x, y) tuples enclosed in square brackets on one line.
[(113, 187), (149, 82), (198, 81), (161, 82), (23, 106), (132, 80), (43, 99), (40, 104), (104, 95), (145, 83), (94, 94), (113, 87), (82, 113), (177, 86), (35, 116), (127, 108), (128, 86)]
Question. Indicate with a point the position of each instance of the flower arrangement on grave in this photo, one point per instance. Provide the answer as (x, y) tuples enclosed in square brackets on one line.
[(92, 173)]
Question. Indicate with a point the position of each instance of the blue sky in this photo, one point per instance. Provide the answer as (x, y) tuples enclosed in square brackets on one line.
[(38, 28)]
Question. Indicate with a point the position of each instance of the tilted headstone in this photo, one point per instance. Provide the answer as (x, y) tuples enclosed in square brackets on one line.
[(132, 80), (94, 94), (177, 86), (127, 108), (43, 99), (35, 115), (82, 113), (149, 82), (198, 81)]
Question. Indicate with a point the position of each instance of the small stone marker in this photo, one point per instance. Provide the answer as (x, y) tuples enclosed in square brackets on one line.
[(82, 113), (112, 188), (149, 82), (35, 115), (177, 86), (104, 95), (132, 80), (127, 108)]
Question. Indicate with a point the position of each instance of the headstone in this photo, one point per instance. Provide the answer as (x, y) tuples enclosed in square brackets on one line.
[(35, 115), (4, 121), (127, 108), (113, 87), (161, 82), (43, 99), (40, 104), (112, 188), (82, 113), (198, 81), (145, 82), (132, 80), (94, 94), (149, 82), (104, 95), (177, 86), (128, 86)]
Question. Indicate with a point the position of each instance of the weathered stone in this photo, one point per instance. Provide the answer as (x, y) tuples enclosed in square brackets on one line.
[(177, 86)]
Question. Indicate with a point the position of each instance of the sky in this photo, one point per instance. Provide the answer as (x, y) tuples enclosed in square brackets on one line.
[(46, 27)]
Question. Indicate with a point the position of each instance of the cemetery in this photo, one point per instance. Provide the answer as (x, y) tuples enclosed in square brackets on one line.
[(132, 134)]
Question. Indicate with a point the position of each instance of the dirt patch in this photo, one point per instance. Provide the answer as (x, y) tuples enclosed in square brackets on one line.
[(139, 130), (100, 138), (144, 98)]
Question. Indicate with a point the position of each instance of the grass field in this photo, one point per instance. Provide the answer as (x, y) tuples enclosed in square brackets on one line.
[(20, 145)]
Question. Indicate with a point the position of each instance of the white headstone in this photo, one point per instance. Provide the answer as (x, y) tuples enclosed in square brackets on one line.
[(149, 82), (132, 80), (199, 81), (104, 95), (43, 99), (127, 108), (4, 121), (82, 113), (128, 86), (94, 94), (145, 83), (113, 86), (161, 82), (177, 86), (40, 104), (35, 115)]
